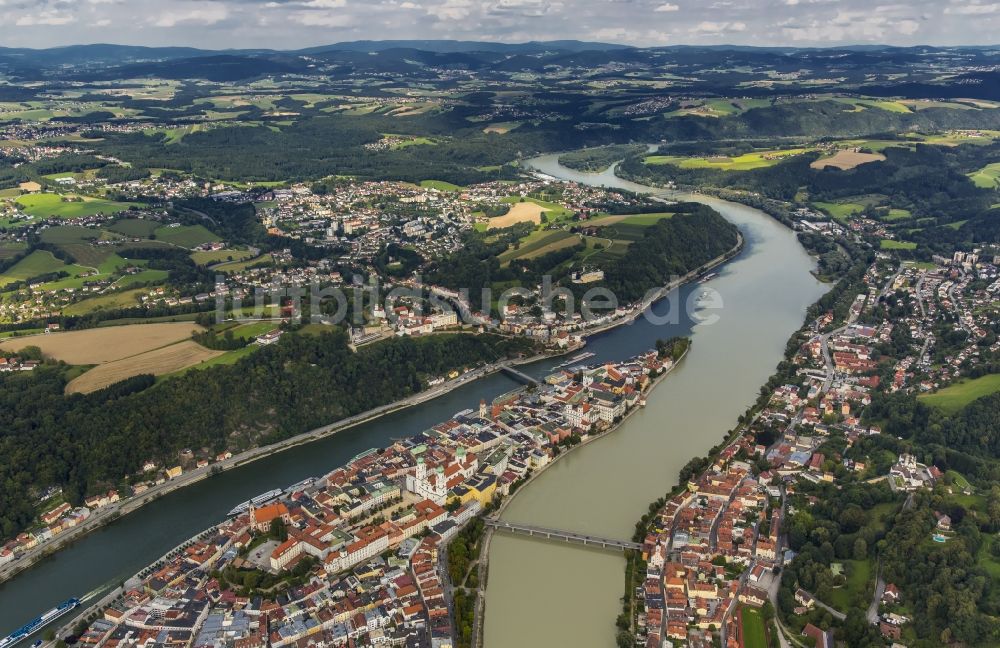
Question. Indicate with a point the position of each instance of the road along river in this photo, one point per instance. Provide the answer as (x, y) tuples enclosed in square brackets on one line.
[(572, 594), (551, 594)]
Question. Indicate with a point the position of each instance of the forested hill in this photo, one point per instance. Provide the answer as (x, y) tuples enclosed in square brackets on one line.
[(83, 443), (951, 595), (671, 248), (693, 235)]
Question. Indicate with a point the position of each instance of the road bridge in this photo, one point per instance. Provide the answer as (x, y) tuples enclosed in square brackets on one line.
[(519, 376), (563, 536)]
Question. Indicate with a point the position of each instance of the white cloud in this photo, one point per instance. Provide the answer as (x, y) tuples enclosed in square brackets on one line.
[(973, 9), (325, 4), (708, 27), (668, 7), (451, 10), (48, 17), (208, 14), (322, 19)]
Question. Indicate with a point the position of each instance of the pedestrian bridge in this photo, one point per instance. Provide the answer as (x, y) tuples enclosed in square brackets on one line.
[(563, 536)]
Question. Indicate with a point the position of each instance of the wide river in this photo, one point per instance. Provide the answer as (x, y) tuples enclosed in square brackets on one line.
[(539, 594), (551, 594)]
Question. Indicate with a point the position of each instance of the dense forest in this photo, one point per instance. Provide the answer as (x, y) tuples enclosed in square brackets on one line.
[(86, 442), (599, 158), (671, 248)]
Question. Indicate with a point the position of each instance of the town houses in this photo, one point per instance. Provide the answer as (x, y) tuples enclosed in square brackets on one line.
[(352, 557)]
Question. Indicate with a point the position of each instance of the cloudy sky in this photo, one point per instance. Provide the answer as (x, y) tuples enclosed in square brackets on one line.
[(290, 24)]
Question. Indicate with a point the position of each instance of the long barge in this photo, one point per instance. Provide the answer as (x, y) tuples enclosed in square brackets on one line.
[(30, 627), (263, 498)]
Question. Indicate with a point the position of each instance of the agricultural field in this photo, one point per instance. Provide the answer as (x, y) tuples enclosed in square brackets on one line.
[(501, 128), (839, 211), (208, 257), (890, 244), (77, 241), (896, 214), (745, 162), (891, 106), (9, 250), (847, 159), (988, 177), (143, 277), (123, 299), (522, 212), (186, 236), (48, 205), (240, 266), (224, 358), (165, 360), (718, 107), (134, 227), (956, 396), (440, 185), (539, 243), (100, 345), (37, 263)]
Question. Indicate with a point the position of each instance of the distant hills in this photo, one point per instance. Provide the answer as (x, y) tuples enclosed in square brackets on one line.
[(882, 69)]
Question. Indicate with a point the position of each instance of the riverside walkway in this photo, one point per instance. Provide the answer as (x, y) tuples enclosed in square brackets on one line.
[(564, 536)]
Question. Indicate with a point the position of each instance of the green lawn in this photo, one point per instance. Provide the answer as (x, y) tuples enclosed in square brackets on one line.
[(11, 249), (754, 632), (227, 358), (745, 162), (958, 479), (144, 277), (839, 211), (890, 106), (897, 214), (858, 573), (114, 300), (988, 177), (987, 561), (239, 266), (251, 330), (134, 227), (46, 205), (208, 257), (187, 236), (37, 263), (440, 185), (957, 395), (534, 242), (889, 244), (647, 219)]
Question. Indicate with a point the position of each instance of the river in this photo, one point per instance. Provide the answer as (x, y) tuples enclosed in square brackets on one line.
[(550, 594), (603, 488)]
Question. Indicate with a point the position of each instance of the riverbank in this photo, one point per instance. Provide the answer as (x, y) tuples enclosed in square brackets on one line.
[(110, 513)]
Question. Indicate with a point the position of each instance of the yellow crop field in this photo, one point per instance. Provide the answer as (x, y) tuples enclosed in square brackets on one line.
[(522, 212), (160, 361), (847, 159), (100, 345)]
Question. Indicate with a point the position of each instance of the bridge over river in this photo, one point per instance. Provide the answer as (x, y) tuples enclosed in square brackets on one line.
[(563, 536)]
